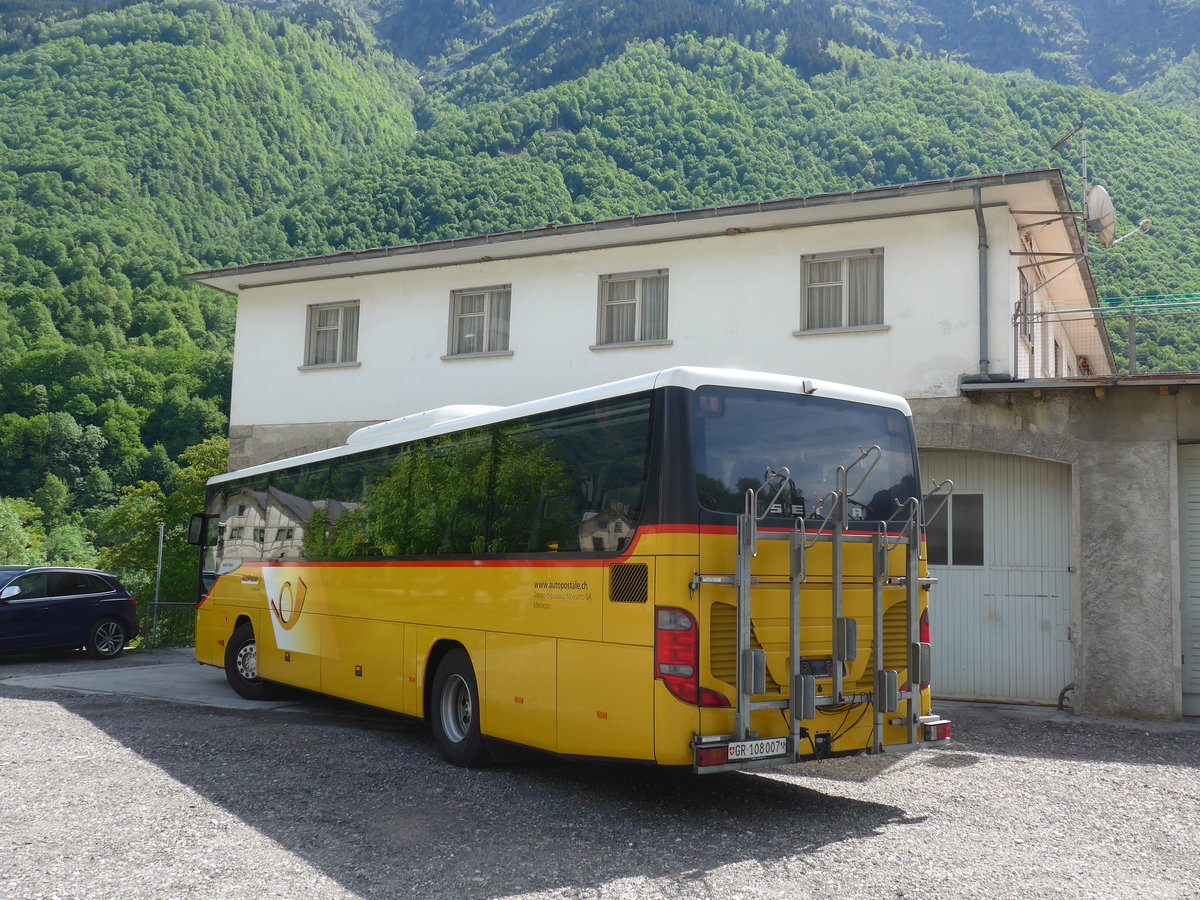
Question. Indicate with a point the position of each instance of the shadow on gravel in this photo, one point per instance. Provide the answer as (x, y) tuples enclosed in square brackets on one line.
[(363, 797)]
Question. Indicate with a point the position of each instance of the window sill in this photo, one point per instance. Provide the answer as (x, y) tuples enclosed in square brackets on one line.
[(322, 366), (850, 329), (491, 354), (627, 344)]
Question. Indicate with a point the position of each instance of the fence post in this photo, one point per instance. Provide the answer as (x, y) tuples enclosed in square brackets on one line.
[(157, 585), (1132, 344)]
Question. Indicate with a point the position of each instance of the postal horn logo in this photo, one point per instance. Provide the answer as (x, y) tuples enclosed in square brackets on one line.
[(289, 604)]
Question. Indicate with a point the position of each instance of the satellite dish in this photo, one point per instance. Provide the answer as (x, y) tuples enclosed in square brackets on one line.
[(1101, 217)]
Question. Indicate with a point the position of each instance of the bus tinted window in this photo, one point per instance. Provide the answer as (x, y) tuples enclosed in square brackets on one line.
[(346, 533), (738, 434), (574, 480), (429, 498), (568, 481)]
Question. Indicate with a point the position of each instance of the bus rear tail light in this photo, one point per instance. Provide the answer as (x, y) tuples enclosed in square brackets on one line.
[(712, 756), (677, 657), (937, 731)]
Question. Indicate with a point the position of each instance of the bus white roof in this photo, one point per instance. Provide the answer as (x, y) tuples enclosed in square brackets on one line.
[(454, 418)]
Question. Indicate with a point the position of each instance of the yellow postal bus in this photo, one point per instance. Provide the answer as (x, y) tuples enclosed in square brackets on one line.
[(695, 567)]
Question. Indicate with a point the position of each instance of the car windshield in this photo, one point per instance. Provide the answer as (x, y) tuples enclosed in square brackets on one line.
[(737, 434)]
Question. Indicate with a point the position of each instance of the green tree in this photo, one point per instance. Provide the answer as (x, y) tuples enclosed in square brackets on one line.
[(53, 498), (16, 544), (70, 545), (129, 533)]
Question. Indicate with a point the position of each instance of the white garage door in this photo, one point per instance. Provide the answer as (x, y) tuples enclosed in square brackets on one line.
[(1189, 536), (1000, 613)]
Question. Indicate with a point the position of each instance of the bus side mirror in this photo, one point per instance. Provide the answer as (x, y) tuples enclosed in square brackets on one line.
[(196, 529)]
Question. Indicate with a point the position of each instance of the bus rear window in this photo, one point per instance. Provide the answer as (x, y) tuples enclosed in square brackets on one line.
[(738, 434)]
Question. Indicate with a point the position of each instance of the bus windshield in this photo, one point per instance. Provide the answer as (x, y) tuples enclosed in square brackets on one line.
[(738, 433)]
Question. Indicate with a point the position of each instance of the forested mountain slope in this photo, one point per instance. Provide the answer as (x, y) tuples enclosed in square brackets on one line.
[(135, 145), (141, 140), (1111, 44)]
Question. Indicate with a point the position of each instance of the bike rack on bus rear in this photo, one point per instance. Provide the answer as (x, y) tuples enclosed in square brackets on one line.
[(803, 702)]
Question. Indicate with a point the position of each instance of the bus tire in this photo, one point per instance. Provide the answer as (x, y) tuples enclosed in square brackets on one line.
[(454, 712), (241, 665)]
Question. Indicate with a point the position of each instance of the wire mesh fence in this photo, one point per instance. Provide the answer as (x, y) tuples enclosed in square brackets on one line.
[(169, 625), (1147, 336)]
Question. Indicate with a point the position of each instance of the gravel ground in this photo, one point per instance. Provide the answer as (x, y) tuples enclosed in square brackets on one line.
[(105, 796)]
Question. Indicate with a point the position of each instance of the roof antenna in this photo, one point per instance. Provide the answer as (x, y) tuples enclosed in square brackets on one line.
[(1099, 215)]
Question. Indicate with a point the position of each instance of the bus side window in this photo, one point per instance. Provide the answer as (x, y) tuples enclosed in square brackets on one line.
[(344, 533), (592, 480)]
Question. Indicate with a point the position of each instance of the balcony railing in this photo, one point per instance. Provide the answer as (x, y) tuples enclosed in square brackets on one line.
[(1147, 336)]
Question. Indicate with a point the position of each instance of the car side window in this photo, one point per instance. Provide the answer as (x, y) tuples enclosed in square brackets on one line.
[(70, 584), (33, 586), (98, 585)]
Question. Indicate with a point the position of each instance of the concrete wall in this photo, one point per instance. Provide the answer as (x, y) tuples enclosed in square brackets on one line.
[(253, 444), (1122, 448)]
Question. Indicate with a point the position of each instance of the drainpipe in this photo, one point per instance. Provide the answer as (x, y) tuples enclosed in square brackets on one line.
[(977, 198)]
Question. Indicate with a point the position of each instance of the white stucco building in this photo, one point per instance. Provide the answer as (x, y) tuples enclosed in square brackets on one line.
[(968, 296)]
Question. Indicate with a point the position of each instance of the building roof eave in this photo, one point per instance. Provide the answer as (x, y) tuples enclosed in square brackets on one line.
[(586, 235)]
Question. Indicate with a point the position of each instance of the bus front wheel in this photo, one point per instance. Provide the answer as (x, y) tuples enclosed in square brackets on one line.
[(241, 665), (454, 711)]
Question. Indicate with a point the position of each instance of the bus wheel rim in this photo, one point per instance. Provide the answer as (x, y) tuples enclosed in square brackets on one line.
[(457, 712), (247, 661)]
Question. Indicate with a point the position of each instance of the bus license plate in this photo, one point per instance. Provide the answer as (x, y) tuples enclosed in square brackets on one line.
[(757, 749)]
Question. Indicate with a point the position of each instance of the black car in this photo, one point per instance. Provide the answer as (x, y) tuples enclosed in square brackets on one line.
[(51, 607)]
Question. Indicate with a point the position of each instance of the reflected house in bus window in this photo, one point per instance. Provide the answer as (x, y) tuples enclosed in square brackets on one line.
[(609, 530), (972, 297), (267, 525)]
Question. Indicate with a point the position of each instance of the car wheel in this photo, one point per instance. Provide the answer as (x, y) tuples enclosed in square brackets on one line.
[(454, 712), (241, 665), (107, 639)]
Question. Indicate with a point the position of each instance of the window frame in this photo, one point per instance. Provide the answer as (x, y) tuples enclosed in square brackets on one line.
[(955, 532), (844, 257), (344, 359), (1025, 310), (603, 302), (491, 295)]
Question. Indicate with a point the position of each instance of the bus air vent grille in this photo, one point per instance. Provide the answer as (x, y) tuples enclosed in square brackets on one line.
[(722, 645), (895, 648), (628, 583)]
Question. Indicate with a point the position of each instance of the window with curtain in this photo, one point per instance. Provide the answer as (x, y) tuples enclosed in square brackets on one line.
[(842, 291), (633, 308), (332, 334), (479, 321)]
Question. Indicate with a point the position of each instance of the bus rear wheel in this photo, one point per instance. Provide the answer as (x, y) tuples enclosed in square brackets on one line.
[(241, 665), (454, 712)]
